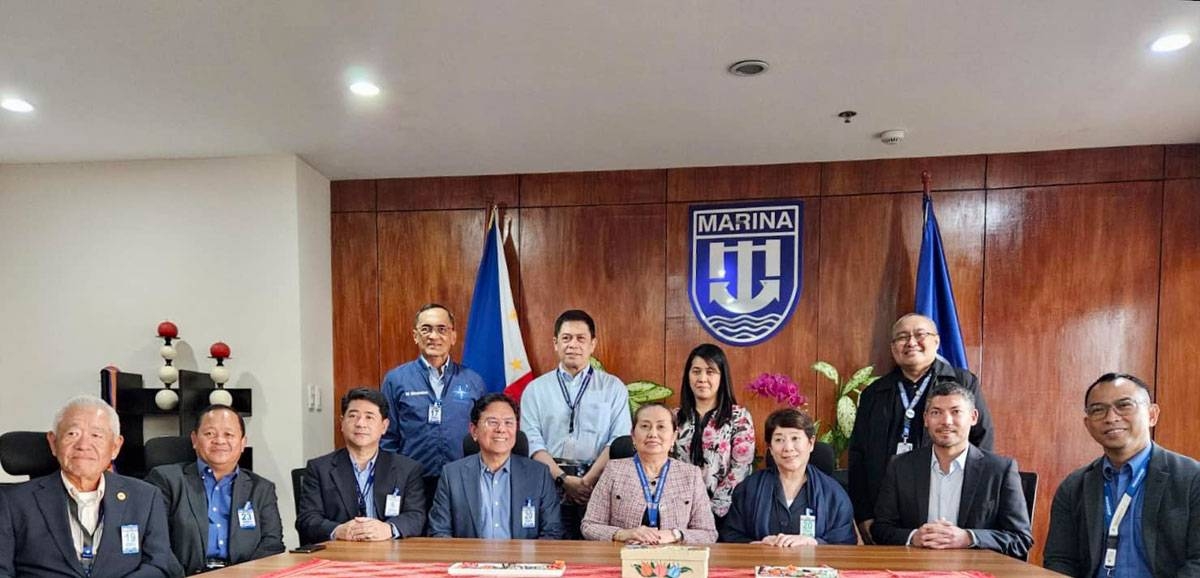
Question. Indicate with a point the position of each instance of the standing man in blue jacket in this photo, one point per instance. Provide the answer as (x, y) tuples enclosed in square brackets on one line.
[(430, 398)]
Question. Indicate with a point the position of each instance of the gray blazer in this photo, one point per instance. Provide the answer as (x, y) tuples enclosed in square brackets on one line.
[(35, 534), (1170, 518), (992, 504), (187, 515), (329, 496), (456, 505)]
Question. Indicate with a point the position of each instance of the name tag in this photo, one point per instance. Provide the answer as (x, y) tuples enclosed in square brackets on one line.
[(903, 448), (529, 515), (392, 508), (246, 517), (130, 544), (415, 393), (435, 413), (808, 525)]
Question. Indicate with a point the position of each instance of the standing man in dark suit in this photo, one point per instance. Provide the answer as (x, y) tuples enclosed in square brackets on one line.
[(361, 493), (1136, 510), (495, 494), (953, 494), (82, 520), (890, 411), (218, 513)]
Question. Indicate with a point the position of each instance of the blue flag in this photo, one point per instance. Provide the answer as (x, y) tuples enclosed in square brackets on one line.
[(494, 346), (935, 293)]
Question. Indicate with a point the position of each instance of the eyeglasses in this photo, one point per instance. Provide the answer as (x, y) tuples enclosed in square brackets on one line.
[(920, 336), (495, 423), (1124, 407), (427, 330)]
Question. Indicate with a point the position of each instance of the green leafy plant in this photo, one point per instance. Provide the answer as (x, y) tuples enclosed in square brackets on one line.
[(848, 394), (640, 392)]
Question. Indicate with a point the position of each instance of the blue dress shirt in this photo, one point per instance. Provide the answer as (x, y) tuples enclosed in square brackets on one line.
[(495, 497), (1131, 552), (602, 417), (220, 505), (365, 484)]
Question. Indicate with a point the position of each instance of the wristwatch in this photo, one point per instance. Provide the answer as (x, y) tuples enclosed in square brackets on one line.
[(560, 479), (678, 535)]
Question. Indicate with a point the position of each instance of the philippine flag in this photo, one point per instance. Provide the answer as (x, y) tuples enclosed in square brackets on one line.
[(494, 347)]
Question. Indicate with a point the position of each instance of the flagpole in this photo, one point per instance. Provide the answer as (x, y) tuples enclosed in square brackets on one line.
[(925, 179)]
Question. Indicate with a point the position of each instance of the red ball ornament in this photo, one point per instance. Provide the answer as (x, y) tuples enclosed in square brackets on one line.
[(219, 350), (168, 330)]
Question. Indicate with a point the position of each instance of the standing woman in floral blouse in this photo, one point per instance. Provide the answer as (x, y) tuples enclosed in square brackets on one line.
[(724, 448)]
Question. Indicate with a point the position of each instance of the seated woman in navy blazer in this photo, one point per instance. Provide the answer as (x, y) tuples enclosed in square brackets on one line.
[(650, 498), (793, 503)]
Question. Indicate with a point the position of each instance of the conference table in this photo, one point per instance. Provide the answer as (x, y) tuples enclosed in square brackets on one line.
[(449, 550)]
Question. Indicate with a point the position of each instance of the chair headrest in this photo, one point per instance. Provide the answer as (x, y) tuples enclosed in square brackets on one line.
[(169, 450), (26, 453)]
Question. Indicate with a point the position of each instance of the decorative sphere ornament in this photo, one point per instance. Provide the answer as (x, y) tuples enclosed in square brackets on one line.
[(219, 350), (168, 330), (168, 374), (219, 374), (166, 399), (220, 397), (167, 352)]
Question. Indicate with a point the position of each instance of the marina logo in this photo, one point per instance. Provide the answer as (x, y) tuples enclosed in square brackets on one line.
[(745, 268)]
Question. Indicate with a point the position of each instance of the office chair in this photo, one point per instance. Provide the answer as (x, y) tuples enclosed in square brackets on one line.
[(26, 453), (169, 450), (521, 447)]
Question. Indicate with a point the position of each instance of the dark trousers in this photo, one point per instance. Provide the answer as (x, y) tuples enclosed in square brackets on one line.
[(572, 519)]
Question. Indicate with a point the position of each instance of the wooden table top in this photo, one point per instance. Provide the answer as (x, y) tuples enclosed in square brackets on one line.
[(584, 552)]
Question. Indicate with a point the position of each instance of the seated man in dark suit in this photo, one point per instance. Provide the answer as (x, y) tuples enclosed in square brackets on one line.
[(219, 514), (495, 494), (953, 494), (359, 492), (82, 521), (1151, 492)]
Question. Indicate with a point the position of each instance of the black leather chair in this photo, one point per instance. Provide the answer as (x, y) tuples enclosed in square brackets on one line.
[(297, 484), (521, 447), (621, 447), (822, 457), (27, 453), (169, 450), (1029, 482)]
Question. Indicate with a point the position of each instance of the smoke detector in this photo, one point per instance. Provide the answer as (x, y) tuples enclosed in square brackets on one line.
[(748, 67), (891, 137)]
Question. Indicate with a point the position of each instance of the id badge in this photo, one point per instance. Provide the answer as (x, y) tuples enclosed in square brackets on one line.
[(808, 525), (435, 412), (903, 448), (246, 517), (130, 544), (391, 509), (1110, 557), (528, 515)]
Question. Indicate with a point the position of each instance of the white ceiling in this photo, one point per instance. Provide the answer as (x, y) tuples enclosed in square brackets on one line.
[(490, 86)]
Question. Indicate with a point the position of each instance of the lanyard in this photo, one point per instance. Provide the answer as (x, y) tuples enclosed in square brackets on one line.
[(445, 378), (562, 385), (1115, 518), (652, 500), (87, 556), (364, 492), (909, 412)]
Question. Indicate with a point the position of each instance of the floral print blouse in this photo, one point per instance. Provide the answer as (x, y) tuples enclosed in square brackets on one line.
[(728, 455)]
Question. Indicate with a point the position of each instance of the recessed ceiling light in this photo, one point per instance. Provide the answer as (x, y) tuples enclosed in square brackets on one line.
[(364, 88), (748, 67), (16, 105), (1171, 43)]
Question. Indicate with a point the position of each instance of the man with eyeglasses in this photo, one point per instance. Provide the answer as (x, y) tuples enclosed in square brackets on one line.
[(496, 494), (430, 397), (890, 418), (1135, 511), (573, 414), (359, 493)]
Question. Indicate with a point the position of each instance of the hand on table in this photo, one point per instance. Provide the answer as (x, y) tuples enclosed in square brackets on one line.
[(363, 530), (641, 535), (941, 535), (788, 540)]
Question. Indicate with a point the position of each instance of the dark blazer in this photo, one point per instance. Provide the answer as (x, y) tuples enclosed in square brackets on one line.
[(992, 503), (35, 534), (329, 496), (456, 505), (749, 515), (187, 515), (1170, 518), (877, 429)]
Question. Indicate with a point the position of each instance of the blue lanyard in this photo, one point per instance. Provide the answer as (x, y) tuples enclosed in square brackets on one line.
[(1113, 518), (562, 385), (364, 491), (909, 412), (88, 554), (652, 499)]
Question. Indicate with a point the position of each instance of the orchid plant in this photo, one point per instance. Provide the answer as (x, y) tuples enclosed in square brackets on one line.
[(778, 387)]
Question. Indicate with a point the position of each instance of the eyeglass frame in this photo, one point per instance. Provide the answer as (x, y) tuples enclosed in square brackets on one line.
[(427, 330), (920, 336), (1131, 409)]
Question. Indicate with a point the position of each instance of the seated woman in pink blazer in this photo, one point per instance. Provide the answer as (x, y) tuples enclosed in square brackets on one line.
[(650, 498)]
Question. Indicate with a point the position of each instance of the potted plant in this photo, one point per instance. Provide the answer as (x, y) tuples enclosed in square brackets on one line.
[(846, 403)]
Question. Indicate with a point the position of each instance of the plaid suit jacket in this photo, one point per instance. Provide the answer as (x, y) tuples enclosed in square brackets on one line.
[(618, 502)]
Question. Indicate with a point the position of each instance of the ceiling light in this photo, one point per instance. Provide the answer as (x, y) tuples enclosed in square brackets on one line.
[(748, 67), (16, 105), (1171, 43), (364, 88)]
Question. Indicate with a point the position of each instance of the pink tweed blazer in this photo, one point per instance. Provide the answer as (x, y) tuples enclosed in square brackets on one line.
[(618, 503)]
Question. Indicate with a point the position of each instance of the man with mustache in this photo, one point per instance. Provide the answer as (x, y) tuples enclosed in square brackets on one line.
[(953, 494)]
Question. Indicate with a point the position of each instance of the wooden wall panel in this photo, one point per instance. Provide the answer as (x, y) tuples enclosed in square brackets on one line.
[(791, 351), (1178, 317), (352, 196), (425, 256), (1070, 292), (902, 175), (434, 193), (594, 188), (355, 306), (1075, 166), (609, 261), (1183, 161), (745, 182)]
